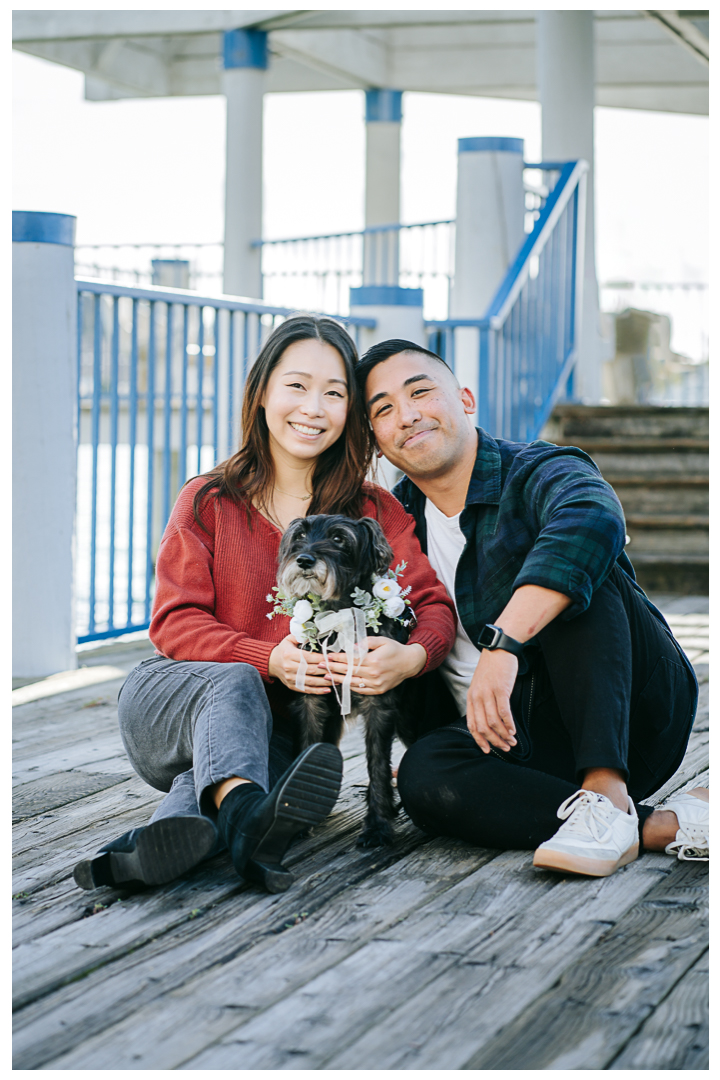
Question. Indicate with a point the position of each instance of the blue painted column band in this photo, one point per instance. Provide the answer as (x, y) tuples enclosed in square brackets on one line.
[(36, 227), (383, 106), (385, 295), (245, 49), (490, 142)]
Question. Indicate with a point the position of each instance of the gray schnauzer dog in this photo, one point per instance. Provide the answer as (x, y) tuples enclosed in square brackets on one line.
[(329, 556)]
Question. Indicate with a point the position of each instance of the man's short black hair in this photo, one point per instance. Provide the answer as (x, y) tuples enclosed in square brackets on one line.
[(376, 354)]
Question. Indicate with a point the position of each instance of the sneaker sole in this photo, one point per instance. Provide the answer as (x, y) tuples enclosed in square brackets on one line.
[(578, 864), (165, 850), (305, 799)]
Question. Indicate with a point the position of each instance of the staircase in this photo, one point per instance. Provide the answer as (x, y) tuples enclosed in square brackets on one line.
[(656, 458)]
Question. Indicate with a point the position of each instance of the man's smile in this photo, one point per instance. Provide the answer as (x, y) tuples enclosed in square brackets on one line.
[(415, 437)]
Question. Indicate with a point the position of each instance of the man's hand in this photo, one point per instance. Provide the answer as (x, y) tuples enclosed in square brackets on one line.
[(284, 663), (387, 664), (489, 717), (490, 721)]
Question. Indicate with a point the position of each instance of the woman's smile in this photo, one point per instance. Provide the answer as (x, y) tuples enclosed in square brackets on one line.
[(305, 430)]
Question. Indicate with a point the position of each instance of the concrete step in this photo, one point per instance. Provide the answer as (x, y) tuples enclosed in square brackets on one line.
[(657, 460), (627, 421), (640, 496)]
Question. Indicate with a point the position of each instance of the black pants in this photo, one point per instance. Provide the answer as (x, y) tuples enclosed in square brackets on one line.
[(608, 688)]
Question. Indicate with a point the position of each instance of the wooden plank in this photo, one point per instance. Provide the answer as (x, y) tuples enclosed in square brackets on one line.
[(676, 1034), (71, 950), (702, 717), (607, 993), (242, 956), (502, 966), (81, 753), (690, 773), (58, 789), (93, 812), (535, 942)]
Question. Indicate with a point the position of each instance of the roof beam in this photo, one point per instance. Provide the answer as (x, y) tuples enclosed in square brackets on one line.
[(682, 30)]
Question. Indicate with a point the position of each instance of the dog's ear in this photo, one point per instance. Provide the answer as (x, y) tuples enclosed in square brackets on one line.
[(378, 552)]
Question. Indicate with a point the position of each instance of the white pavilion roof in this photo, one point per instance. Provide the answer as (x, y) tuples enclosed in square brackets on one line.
[(654, 60)]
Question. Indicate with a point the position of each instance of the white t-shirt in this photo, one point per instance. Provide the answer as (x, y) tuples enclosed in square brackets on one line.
[(445, 545)]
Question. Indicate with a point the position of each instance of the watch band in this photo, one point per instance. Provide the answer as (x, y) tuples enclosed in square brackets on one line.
[(501, 640)]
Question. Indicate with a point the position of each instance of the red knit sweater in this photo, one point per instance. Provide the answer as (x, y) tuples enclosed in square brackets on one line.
[(210, 601)]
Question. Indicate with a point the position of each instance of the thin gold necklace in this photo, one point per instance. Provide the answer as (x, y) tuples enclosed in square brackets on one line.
[(303, 498)]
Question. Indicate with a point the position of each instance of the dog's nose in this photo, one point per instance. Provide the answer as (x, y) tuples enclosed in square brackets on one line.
[(305, 561)]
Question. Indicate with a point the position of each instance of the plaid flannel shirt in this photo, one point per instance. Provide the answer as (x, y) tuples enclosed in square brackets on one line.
[(535, 514)]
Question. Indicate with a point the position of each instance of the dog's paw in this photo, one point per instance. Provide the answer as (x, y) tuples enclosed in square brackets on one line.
[(379, 834)]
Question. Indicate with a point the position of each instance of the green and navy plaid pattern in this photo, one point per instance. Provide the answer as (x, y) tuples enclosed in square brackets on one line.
[(535, 514)]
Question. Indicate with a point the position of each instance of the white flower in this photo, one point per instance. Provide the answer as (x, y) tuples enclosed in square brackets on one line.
[(303, 610), (394, 607), (297, 629), (385, 588)]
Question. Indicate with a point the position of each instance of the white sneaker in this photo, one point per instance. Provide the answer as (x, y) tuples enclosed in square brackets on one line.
[(692, 840), (596, 838)]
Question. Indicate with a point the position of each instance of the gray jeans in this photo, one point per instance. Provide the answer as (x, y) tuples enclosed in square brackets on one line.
[(187, 725)]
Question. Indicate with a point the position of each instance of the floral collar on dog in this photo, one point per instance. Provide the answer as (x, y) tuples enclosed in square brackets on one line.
[(311, 619)]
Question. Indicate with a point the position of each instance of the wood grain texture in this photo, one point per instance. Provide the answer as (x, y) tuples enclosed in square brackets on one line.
[(676, 1034), (58, 789), (608, 992), (234, 960), (425, 955)]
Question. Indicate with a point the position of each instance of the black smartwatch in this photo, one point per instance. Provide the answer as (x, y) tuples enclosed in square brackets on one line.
[(492, 637)]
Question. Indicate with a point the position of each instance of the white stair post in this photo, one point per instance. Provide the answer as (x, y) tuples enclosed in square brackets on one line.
[(244, 65), (44, 442), (383, 124), (566, 82), (398, 313), (489, 232)]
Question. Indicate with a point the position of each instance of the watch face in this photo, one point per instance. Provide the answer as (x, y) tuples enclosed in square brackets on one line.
[(488, 636)]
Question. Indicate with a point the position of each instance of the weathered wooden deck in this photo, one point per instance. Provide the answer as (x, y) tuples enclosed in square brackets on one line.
[(429, 955)]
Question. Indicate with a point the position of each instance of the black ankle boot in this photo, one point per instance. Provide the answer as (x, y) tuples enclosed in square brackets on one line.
[(154, 855), (259, 830)]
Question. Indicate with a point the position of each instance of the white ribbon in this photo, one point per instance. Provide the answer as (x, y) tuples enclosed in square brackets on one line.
[(348, 624)]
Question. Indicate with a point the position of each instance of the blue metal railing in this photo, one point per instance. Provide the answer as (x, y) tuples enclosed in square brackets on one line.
[(160, 380), (524, 348)]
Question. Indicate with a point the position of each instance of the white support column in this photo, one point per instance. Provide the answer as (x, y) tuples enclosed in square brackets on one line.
[(566, 82), (398, 313), (383, 125), (44, 442), (489, 232), (244, 63)]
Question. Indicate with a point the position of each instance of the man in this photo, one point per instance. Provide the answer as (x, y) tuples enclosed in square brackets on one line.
[(565, 696)]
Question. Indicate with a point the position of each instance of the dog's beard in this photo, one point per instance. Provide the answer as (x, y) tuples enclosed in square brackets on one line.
[(320, 580)]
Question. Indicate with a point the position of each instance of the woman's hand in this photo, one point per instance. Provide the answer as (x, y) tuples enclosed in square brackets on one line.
[(489, 719), (387, 664), (284, 663)]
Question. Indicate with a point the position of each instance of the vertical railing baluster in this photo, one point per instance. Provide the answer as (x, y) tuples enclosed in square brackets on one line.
[(167, 417), (114, 375), (150, 423), (231, 381), (182, 463), (95, 439), (216, 384), (245, 349), (132, 436), (200, 380)]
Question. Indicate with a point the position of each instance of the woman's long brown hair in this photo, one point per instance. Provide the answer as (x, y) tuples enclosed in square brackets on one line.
[(339, 473)]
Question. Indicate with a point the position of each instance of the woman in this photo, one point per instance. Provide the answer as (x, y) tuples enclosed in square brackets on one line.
[(206, 719)]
